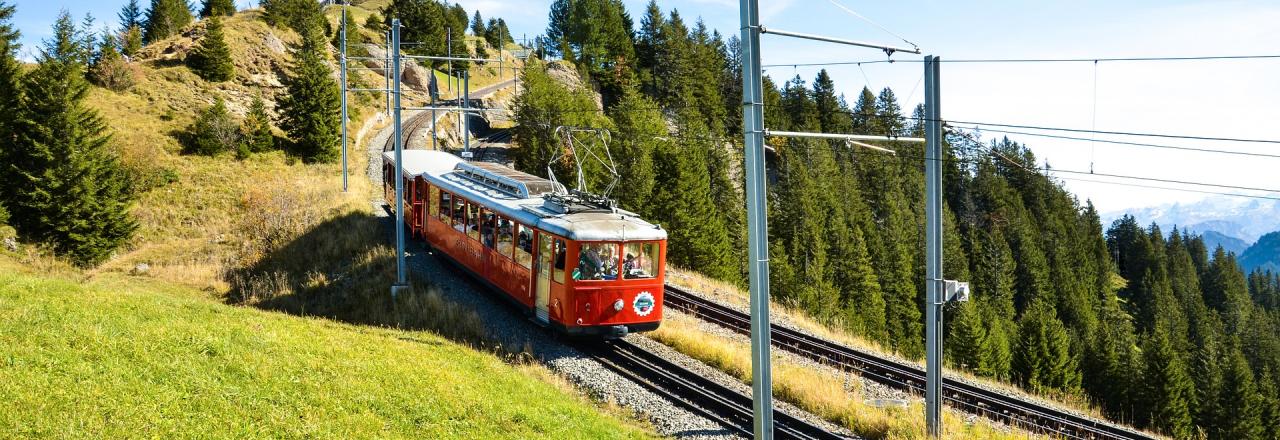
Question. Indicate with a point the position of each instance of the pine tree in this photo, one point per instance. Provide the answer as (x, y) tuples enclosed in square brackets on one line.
[(256, 133), (10, 97), (212, 8), (211, 59), (109, 70), (213, 132), (639, 126), (303, 16), (698, 237), (1240, 403), (68, 190), (130, 41), (1168, 387), (310, 108), (1270, 391), (1043, 361), (165, 18), (477, 25), (966, 343), (130, 15)]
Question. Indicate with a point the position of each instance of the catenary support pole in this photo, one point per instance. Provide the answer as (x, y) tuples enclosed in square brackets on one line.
[(386, 69), (466, 117), (448, 47), (344, 97), (933, 249), (401, 282), (757, 226)]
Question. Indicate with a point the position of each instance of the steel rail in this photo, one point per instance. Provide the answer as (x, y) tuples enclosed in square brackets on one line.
[(695, 392), (987, 403)]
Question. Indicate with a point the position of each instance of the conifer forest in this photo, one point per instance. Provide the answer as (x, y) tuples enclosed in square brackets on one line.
[(1150, 325)]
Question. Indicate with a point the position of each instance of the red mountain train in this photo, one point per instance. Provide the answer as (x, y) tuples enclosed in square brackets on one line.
[(582, 268)]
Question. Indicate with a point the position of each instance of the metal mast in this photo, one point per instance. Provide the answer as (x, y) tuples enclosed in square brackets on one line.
[(344, 97), (757, 226), (401, 282), (933, 249)]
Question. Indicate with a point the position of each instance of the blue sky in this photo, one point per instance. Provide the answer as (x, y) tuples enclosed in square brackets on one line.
[(1204, 98)]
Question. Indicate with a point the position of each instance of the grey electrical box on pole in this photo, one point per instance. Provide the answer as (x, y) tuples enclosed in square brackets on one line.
[(933, 249), (344, 98), (757, 217), (401, 282)]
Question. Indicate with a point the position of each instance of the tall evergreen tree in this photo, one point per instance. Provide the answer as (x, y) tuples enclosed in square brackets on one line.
[(303, 16), (310, 108), (165, 18), (1043, 360), (211, 59), (477, 25), (10, 98), (218, 7), (68, 190), (130, 15), (639, 127), (1240, 416), (1169, 390), (699, 238)]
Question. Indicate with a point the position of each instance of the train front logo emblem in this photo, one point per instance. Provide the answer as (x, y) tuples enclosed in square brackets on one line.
[(643, 304)]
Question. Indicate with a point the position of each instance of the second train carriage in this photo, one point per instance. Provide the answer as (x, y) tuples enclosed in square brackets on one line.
[(585, 269)]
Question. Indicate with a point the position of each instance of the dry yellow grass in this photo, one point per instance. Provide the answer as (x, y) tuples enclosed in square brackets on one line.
[(731, 294), (834, 397)]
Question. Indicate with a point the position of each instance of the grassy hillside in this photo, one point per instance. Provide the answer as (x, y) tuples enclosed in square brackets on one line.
[(127, 350), (119, 357)]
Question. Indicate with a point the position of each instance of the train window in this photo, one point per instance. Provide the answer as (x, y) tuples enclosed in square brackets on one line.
[(473, 224), (597, 261), (640, 260), (487, 219), (446, 203), (557, 275), (434, 199), (459, 213), (524, 245), (506, 231)]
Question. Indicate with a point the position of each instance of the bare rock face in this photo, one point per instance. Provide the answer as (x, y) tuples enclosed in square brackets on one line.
[(415, 76), (140, 269)]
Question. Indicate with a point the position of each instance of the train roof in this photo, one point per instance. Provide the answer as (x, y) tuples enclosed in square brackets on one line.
[(520, 197)]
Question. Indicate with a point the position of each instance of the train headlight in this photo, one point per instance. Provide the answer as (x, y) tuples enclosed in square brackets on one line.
[(618, 305)]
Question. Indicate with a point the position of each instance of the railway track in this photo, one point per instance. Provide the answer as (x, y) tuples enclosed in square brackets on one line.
[(408, 130), (696, 393), (1018, 412)]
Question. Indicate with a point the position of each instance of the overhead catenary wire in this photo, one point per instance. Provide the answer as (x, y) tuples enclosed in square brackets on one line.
[(1035, 60), (1119, 142), (873, 23)]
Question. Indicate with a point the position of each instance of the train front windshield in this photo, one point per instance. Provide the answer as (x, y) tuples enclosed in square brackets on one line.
[(602, 261)]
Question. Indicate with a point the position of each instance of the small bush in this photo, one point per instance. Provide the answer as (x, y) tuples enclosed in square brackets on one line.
[(213, 132), (375, 23), (109, 69), (256, 136), (4, 215)]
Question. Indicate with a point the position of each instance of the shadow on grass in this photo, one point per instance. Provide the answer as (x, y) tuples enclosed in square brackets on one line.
[(341, 269)]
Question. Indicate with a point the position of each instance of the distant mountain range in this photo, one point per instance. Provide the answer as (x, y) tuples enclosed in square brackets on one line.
[(1264, 254), (1248, 227), (1238, 217)]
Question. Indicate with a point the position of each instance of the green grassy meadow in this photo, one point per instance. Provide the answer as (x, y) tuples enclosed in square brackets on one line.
[(124, 357)]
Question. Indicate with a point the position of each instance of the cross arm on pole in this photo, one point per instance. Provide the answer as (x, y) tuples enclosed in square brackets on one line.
[(888, 49)]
